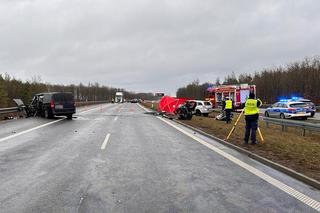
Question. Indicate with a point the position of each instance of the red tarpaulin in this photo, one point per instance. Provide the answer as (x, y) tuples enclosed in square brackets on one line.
[(169, 104)]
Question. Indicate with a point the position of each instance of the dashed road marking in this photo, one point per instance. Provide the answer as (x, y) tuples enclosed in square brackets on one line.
[(278, 184), (105, 142), (116, 118)]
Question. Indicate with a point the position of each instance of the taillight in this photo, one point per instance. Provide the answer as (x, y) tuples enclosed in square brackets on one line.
[(52, 104)]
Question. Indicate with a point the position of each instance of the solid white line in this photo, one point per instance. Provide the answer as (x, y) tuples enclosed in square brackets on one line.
[(30, 130), (116, 118), (278, 184), (39, 127), (105, 142), (145, 109), (289, 190)]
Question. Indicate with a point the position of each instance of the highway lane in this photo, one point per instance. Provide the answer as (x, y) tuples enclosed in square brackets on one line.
[(146, 166)]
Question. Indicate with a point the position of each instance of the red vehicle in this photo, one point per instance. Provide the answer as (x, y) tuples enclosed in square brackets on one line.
[(238, 94), (175, 107)]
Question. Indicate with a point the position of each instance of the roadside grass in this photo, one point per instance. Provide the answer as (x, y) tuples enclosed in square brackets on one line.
[(288, 148)]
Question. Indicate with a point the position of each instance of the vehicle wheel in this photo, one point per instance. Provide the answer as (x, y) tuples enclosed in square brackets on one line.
[(69, 116), (312, 114), (205, 114), (304, 118), (266, 114), (198, 112), (282, 116), (48, 114)]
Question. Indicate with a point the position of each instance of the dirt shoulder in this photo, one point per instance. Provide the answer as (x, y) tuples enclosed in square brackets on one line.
[(288, 148)]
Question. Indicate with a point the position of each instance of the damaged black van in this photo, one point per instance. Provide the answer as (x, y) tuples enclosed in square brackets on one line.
[(51, 104)]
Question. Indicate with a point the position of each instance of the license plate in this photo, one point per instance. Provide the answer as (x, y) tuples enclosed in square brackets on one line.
[(301, 113), (59, 106)]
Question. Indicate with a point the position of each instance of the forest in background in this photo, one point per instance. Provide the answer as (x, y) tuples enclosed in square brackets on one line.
[(13, 88), (300, 78)]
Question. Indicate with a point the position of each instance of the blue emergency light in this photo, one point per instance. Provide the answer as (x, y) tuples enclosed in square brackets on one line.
[(283, 100)]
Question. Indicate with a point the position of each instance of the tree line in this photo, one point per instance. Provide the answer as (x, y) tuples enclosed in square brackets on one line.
[(301, 78), (14, 88)]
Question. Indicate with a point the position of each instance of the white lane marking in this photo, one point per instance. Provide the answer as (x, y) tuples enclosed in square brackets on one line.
[(38, 127), (289, 190), (116, 118), (145, 109), (278, 184), (105, 142), (30, 130)]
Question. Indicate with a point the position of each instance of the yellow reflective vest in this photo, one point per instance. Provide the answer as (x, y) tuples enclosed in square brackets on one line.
[(250, 107), (228, 104)]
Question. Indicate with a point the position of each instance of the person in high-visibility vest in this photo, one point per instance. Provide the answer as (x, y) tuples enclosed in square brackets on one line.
[(228, 108), (251, 112)]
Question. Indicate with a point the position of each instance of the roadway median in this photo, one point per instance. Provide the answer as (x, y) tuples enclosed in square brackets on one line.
[(288, 148)]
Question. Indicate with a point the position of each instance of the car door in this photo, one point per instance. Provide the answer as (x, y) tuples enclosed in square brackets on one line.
[(273, 110), (283, 109)]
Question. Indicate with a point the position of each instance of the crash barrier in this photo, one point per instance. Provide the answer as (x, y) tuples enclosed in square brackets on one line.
[(291, 123), (9, 110), (18, 109)]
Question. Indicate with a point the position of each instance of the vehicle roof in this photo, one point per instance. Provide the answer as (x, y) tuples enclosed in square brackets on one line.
[(303, 99), (291, 102), (199, 100)]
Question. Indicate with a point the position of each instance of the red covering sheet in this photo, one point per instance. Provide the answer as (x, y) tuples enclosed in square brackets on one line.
[(169, 104)]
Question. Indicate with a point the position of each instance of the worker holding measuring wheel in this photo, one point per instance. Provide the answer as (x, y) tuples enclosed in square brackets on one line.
[(251, 112)]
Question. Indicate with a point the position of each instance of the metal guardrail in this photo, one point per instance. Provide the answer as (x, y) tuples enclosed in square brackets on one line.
[(9, 110), (291, 123)]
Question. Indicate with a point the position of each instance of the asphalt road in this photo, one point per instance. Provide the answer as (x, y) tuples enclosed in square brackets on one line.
[(118, 158)]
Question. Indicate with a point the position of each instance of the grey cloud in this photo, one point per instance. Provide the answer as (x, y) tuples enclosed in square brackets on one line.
[(146, 45)]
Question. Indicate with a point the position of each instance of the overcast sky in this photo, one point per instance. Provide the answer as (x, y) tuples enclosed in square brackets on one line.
[(153, 45)]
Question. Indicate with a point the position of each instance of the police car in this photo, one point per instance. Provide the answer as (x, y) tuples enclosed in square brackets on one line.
[(311, 106), (288, 109)]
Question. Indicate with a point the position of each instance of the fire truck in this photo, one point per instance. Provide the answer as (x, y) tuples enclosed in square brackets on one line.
[(238, 94)]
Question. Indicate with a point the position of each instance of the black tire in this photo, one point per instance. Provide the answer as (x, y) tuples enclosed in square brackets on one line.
[(69, 116), (282, 116), (205, 114), (48, 114), (266, 114), (198, 112)]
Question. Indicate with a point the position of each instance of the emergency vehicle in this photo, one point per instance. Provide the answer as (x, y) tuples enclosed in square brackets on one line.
[(238, 94)]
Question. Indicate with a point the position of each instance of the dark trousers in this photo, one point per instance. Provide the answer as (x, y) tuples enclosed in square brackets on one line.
[(251, 126), (228, 114)]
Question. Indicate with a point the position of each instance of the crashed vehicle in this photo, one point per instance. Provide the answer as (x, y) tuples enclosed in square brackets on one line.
[(49, 105), (176, 108)]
